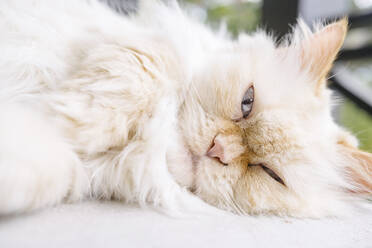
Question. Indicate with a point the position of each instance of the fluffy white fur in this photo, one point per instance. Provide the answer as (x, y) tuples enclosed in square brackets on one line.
[(94, 104), (69, 141)]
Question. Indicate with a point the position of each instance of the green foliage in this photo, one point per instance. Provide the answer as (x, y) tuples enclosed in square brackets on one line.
[(238, 16), (352, 117), (359, 123)]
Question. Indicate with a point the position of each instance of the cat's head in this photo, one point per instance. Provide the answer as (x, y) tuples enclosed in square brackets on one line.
[(258, 123)]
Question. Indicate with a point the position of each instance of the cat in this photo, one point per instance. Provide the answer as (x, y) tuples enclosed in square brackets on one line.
[(157, 109)]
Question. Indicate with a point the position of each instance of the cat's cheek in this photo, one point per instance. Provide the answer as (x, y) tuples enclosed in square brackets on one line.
[(180, 166), (213, 180)]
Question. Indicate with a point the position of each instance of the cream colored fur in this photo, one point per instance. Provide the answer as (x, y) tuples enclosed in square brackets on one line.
[(94, 104)]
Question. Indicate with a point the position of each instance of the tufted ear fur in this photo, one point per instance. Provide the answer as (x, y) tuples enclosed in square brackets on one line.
[(319, 51), (358, 168)]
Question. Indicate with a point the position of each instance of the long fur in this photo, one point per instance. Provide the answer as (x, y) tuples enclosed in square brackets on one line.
[(97, 105)]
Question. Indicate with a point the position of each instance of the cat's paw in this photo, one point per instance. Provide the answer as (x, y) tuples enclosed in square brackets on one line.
[(37, 167)]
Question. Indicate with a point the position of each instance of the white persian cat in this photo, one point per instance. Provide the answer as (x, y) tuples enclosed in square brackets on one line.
[(158, 109)]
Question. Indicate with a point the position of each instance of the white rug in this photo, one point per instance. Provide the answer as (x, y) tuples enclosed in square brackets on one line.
[(110, 224)]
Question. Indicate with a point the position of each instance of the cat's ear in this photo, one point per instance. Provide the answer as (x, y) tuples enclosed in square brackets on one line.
[(318, 52), (358, 168)]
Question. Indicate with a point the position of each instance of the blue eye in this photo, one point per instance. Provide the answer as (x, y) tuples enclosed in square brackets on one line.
[(247, 102)]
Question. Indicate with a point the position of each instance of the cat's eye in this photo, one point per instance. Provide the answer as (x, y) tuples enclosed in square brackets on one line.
[(247, 102), (270, 172)]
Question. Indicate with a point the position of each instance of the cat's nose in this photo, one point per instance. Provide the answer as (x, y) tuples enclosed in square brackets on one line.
[(217, 151), (226, 148)]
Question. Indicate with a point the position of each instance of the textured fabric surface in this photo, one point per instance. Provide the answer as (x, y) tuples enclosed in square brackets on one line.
[(110, 224)]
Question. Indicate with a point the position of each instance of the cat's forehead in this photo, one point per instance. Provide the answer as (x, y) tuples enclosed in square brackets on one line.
[(277, 81)]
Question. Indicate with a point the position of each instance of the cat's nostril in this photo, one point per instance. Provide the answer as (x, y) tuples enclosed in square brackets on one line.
[(216, 151)]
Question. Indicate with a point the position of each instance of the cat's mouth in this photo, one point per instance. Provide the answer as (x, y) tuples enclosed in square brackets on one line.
[(194, 159), (194, 162)]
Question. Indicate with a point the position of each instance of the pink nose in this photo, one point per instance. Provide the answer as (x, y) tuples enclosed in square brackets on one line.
[(217, 151)]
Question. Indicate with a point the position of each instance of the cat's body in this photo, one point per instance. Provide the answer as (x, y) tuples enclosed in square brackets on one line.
[(96, 104), (96, 98)]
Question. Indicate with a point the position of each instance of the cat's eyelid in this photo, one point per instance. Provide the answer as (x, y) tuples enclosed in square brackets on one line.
[(237, 119), (270, 172), (273, 174)]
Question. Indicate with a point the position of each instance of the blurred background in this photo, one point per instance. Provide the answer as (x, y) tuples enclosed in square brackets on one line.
[(351, 76)]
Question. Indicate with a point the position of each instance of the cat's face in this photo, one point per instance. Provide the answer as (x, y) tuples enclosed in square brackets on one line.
[(258, 125)]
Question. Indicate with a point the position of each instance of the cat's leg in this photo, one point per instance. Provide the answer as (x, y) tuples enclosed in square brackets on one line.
[(140, 172), (37, 167)]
